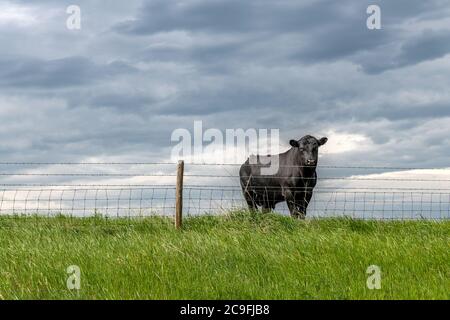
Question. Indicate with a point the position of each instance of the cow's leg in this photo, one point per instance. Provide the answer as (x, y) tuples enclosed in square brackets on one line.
[(292, 203), (249, 195), (303, 201), (250, 201), (300, 197), (306, 200), (267, 202), (272, 205), (266, 208)]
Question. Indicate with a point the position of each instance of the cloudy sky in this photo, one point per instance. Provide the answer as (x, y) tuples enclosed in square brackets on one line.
[(137, 70)]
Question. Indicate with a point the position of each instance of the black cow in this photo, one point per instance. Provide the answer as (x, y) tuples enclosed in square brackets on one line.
[(293, 182)]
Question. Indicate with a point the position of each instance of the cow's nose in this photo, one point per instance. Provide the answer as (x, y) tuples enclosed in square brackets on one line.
[(310, 162)]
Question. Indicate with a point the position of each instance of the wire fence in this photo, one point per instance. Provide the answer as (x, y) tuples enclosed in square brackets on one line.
[(122, 189)]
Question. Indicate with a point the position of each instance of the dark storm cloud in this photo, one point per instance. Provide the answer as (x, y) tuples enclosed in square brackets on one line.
[(265, 15), (115, 101), (137, 70), (121, 101), (260, 16), (429, 45), (326, 30), (71, 71)]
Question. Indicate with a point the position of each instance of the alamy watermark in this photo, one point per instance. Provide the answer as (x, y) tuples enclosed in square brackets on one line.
[(373, 22), (73, 22), (230, 146), (74, 280), (374, 278)]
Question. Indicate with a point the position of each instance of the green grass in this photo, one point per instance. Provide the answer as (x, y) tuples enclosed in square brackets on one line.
[(239, 256)]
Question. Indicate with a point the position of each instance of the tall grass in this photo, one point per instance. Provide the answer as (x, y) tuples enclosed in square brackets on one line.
[(239, 256)]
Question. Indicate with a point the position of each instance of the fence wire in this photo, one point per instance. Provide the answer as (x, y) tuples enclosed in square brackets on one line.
[(120, 189)]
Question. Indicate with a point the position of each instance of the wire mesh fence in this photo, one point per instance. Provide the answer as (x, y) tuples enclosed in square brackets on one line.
[(145, 189)]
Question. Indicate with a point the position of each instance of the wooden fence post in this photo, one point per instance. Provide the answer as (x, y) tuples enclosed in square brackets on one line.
[(179, 195)]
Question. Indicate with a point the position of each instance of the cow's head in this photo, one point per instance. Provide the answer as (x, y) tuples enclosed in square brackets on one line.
[(308, 147)]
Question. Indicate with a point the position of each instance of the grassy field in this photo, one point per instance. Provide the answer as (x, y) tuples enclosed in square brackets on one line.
[(240, 256)]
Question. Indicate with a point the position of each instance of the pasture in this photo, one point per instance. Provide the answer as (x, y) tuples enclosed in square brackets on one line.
[(235, 256)]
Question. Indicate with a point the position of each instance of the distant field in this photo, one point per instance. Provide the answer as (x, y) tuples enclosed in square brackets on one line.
[(240, 256)]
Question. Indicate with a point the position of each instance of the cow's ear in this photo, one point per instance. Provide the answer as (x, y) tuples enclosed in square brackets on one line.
[(294, 143), (323, 141)]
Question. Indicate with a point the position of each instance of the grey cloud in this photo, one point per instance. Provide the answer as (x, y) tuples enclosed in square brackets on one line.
[(429, 45), (326, 30), (124, 102), (265, 15), (119, 89), (339, 42), (66, 72), (121, 101), (216, 15)]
